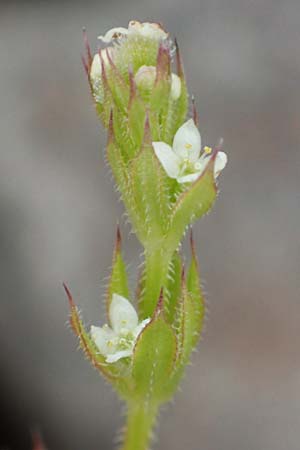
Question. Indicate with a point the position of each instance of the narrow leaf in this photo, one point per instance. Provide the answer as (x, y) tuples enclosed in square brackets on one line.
[(118, 283)]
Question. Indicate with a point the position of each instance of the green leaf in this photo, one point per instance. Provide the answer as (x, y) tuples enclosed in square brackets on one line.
[(150, 190), (190, 320), (172, 288), (153, 360), (136, 120), (87, 344), (195, 292), (125, 184), (118, 283), (192, 204)]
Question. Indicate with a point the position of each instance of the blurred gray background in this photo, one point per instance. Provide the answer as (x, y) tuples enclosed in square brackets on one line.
[(59, 212)]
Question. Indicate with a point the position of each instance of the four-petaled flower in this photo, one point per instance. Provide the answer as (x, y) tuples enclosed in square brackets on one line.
[(118, 341), (184, 161), (145, 29)]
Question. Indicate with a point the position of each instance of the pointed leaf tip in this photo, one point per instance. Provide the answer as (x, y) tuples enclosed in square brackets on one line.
[(163, 63), (160, 304), (118, 240), (147, 130), (192, 244), (132, 84), (183, 275), (69, 295), (87, 46), (111, 126), (195, 112), (179, 65)]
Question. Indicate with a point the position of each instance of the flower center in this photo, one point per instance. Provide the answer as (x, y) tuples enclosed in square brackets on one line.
[(125, 340)]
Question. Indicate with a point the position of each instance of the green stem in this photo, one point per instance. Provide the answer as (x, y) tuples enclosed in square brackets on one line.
[(155, 275), (140, 421)]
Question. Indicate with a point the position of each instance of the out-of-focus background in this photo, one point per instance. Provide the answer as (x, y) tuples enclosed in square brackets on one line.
[(59, 212)]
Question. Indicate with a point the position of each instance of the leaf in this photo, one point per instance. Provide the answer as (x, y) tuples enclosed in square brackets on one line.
[(192, 204), (172, 289), (125, 184), (195, 291), (190, 319), (118, 283), (150, 190), (136, 117), (87, 344), (153, 359)]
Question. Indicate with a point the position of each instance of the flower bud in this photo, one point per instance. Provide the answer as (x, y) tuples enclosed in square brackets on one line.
[(145, 79)]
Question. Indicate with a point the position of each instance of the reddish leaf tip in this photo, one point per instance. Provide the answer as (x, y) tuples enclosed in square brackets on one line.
[(195, 112), (160, 303), (87, 46), (111, 126), (69, 295), (183, 274), (192, 244), (179, 64), (118, 239)]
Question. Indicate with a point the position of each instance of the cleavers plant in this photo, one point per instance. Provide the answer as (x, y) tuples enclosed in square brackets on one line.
[(166, 181)]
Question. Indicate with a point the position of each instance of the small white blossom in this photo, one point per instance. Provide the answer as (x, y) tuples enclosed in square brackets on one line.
[(145, 78), (118, 341), (184, 161), (146, 29)]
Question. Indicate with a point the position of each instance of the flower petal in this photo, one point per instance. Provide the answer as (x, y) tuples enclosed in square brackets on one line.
[(147, 29), (140, 327), (118, 355), (168, 159), (189, 178), (96, 67), (122, 314), (104, 338), (187, 141), (220, 163), (114, 33)]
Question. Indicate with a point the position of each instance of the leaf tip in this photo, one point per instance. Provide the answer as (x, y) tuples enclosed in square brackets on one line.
[(69, 295)]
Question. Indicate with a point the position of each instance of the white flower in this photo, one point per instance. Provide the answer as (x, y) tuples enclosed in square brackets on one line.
[(118, 341), (146, 29), (145, 78), (185, 161)]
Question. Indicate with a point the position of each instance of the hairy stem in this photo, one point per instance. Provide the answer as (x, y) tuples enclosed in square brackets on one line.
[(155, 275), (140, 421)]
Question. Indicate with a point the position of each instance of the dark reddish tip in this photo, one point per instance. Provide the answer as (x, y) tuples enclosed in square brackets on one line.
[(195, 112), (69, 295), (192, 244), (160, 304), (118, 239), (132, 84), (179, 65), (183, 274), (147, 130), (163, 64), (111, 126), (87, 46)]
